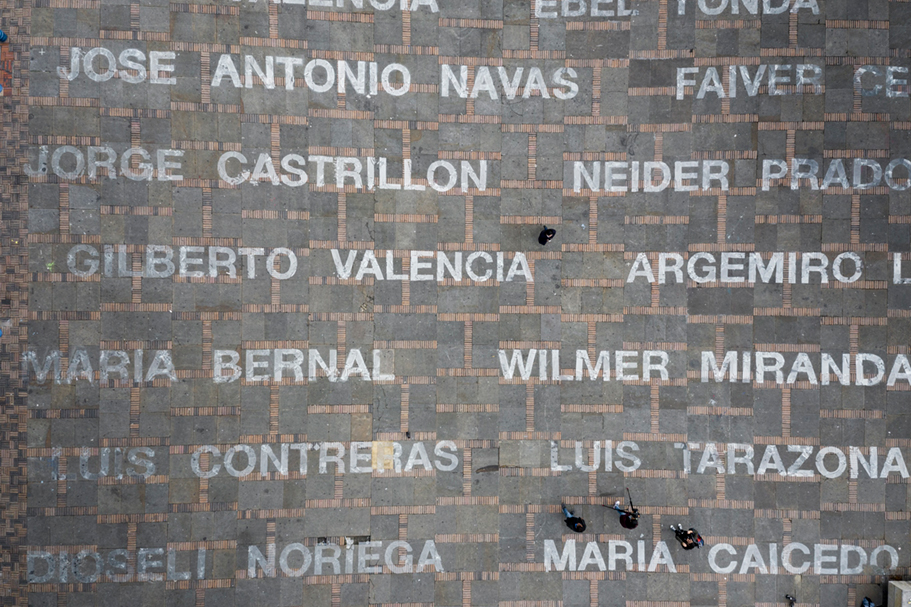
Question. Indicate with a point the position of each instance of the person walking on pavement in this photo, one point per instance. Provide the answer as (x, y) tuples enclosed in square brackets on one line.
[(689, 539), (576, 523), (546, 235), (629, 517), (792, 600)]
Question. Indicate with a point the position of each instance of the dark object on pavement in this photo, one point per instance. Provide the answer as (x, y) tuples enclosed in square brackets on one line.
[(3, 38), (572, 521), (867, 602), (629, 517), (688, 539), (546, 235), (629, 520), (791, 600)]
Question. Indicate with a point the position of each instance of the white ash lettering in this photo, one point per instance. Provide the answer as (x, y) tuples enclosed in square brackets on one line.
[(99, 162), (866, 173), (793, 558), (650, 176), (170, 564), (750, 7), (553, 9), (131, 366), (367, 174), (263, 365), (802, 460), (625, 365), (882, 80), (103, 465), (100, 65), (259, 365), (478, 266), (319, 75), (165, 261), (620, 457), (815, 368), (749, 268), (379, 457), (96, 463), (619, 553), (280, 460), (796, 558), (295, 559), (784, 368), (780, 79), (358, 5), (368, 79), (500, 82), (118, 566), (897, 271)]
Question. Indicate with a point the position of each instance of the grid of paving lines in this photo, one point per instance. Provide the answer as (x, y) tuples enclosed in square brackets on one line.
[(444, 335)]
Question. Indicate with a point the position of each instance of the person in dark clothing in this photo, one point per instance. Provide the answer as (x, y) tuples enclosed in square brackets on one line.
[(3, 38), (792, 600), (629, 517), (688, 539), (572, 521), (546, 235), (867, 602), (629, 520)]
